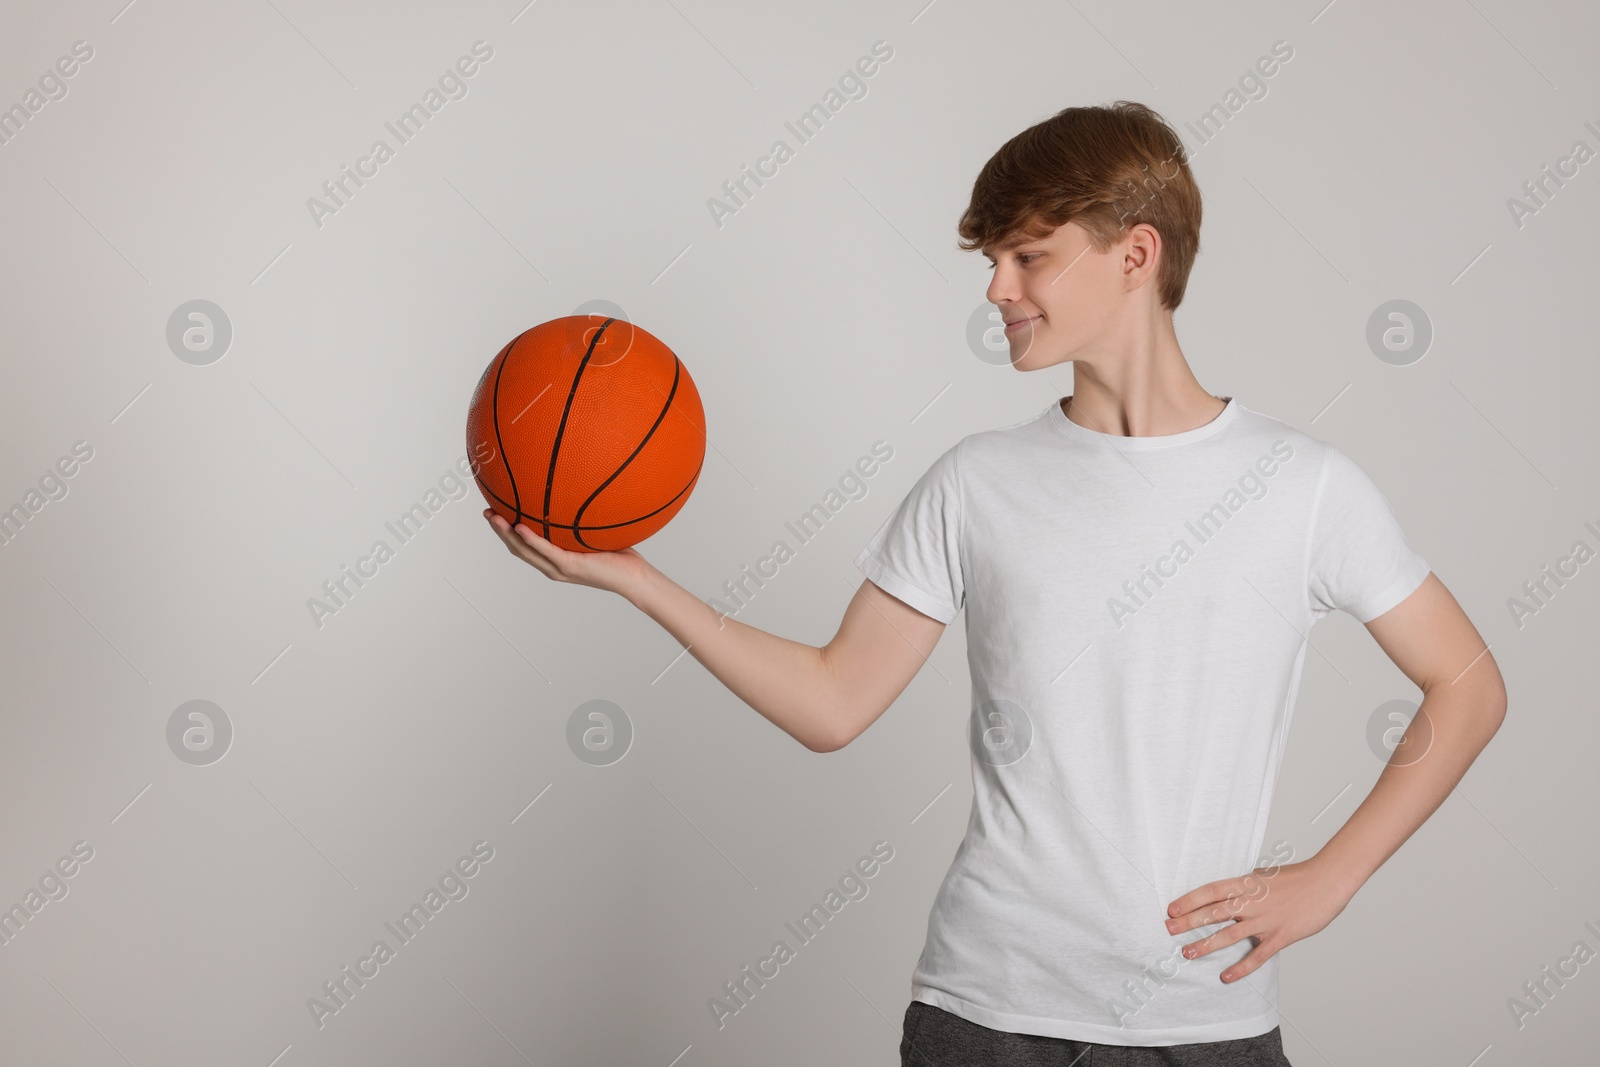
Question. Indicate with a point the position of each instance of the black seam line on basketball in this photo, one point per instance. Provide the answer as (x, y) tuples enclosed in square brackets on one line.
[(577, 519), (494, 409), (555, 447), (501, 499), (609, 526)]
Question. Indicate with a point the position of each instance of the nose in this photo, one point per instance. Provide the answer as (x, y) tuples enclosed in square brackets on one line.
[(1002, 287)]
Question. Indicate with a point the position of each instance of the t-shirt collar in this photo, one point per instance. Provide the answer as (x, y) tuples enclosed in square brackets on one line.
[(1199, 433)]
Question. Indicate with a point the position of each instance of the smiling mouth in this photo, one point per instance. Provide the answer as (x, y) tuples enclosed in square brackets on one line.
[(1011, 327)]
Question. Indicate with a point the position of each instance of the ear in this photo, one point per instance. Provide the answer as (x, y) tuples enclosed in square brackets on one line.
[(1142, 251)]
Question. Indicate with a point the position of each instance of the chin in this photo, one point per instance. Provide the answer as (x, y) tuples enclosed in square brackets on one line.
[(1034, 356)]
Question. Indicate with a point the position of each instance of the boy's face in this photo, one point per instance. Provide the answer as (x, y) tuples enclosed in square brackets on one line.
[(1056, 294)]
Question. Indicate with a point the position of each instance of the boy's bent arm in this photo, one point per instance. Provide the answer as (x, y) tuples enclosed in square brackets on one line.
[(1432, 641), (822, 697)]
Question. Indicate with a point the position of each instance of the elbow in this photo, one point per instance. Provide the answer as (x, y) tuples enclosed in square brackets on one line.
[(1497, 708), (1487, 701), (832, 740), (1493, 711), (1497, 699), (828, 742)]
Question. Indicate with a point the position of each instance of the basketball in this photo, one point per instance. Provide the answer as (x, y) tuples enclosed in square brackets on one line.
[(588, 429)]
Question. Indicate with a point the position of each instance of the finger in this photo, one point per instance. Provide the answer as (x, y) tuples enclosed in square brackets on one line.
[(528, 535), (515, 537), (1259, 955), (519, 546), (498, 522), (551, 558), (1229, 908), (503, 531), (1221, 939), (537, 562), (1209, 893)]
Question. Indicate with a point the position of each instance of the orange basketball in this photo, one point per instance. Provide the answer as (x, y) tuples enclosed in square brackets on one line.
[(589, 430)]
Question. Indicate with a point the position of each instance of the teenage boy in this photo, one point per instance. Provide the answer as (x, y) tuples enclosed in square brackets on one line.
[(1141, 564)]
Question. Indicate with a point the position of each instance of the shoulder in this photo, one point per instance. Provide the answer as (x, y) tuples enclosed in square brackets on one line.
[(1257, 424), (1274, 436), (980, 445), (1002, 441), (1341, 490)]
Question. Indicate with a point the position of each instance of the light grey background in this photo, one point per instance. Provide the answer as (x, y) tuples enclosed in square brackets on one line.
[(830, 312)]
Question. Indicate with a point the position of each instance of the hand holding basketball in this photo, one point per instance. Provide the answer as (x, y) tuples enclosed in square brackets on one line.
[(614, 571)]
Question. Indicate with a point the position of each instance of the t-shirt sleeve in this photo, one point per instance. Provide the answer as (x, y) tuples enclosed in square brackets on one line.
[(1360, 560), (916, 555)]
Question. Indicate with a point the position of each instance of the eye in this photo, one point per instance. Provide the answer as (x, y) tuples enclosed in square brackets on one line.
[(1025, 258)]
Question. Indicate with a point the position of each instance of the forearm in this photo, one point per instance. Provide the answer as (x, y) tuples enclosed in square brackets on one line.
[(1450, 728), (788, 682)]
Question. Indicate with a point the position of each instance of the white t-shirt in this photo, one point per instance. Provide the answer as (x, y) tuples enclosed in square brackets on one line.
[(1137, 612)]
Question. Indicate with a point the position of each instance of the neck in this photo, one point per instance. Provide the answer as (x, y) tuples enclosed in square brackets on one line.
[(1144, 390)]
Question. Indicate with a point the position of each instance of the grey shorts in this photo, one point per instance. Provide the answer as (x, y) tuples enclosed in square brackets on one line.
[(933, 1037)]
